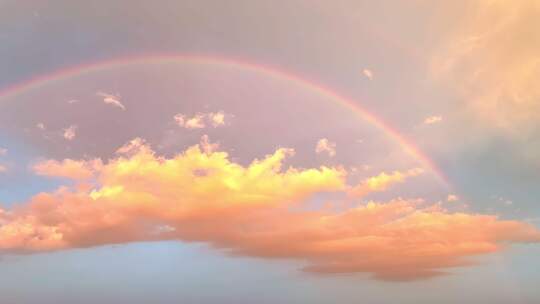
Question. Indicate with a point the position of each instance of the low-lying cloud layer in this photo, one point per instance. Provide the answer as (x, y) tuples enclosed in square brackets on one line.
[(255, 210)]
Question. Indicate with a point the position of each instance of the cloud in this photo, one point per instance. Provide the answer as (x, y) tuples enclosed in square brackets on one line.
[(40, 126), (113, 100), (201, 120), (326, 146), (207, 146), (452, 198), (3, 168), (70, 132), (68, 168), (368, 73), (217, 119), (432, 120), (195, 122), (491, 57), (253, 210), (382, 182), (3, 151), (134, 146)]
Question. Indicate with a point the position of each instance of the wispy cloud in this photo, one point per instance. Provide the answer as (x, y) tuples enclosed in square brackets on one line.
[(68, 168), (491, 59), (452, 198), (3, 151), (111, 99), (433, 120), (382, 182), (368, 73), (40, 126)]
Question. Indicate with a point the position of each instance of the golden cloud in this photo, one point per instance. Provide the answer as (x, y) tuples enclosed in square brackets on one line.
[(382, 181), (492, 58), (248, 210)]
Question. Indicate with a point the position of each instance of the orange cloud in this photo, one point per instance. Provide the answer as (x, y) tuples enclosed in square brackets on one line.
[(382, 181), (491, 56), (200, 195), (68, 168)]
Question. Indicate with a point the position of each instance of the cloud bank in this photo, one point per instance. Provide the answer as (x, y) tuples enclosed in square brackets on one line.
[(257, 210)]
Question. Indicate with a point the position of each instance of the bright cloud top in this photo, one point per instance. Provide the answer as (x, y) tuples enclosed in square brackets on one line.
[(68, 168), (254, 210)]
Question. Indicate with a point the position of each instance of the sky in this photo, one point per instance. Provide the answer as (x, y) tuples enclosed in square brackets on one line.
[(269, 151)]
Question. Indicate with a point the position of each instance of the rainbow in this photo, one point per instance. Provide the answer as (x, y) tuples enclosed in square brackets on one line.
[(266, 70)]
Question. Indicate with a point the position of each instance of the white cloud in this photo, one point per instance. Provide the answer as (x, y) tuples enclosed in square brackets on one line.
[(368, 73), (40, 126), (432, 120), (452, 198), (70, 132), (113, 100), (200, 120), (324, 145)]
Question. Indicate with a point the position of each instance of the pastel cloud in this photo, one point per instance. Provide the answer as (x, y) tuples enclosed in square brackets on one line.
[(382, 182), (491, 57), (217, 119), (200, 195), (68, 168), (3, 151), (432, 120), (111, 99), (40, 126), (70, 132), (201, 120), (368, 73), (3, 168), (326, 146), (452, 198)]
